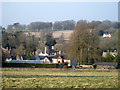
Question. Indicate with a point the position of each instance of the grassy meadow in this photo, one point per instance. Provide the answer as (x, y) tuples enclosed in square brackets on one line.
[(47, 78)]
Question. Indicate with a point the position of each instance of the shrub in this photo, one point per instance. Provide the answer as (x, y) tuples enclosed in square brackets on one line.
[(94, 66), (108, 58), (77, 66), (28, 57), (65, 65), (116, 59)]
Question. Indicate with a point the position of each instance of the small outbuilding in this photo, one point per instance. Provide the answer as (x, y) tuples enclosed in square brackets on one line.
[(106, 65)]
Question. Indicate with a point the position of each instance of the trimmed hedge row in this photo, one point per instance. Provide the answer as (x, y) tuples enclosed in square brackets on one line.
[(37, 65)]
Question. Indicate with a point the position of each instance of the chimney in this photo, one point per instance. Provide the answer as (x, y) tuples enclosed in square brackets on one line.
[(45, 50)]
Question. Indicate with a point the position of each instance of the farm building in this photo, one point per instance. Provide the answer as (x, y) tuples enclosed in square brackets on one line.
[(106, 65)]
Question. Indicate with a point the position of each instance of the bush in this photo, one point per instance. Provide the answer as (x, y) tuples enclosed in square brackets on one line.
[(108, 58), (37, 65), (65, 65), (94, 66), (28, 57), (116, 59), (77, 66)]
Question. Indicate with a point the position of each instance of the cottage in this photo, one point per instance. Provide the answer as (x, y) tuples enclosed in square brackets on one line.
[(61, 60), (58, 59), (107, 35), (106, 65), (115, 53), (8, 59)]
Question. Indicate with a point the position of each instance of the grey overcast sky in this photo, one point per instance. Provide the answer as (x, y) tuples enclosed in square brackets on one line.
[(27, 12)]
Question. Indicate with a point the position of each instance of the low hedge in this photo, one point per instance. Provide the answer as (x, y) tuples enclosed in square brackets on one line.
[(37, 65)]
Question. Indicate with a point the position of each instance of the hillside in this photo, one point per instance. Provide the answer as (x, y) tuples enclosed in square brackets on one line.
[(56, 34)]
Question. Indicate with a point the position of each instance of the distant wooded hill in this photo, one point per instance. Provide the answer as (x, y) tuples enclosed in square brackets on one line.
[(65, 34), (61, 25)]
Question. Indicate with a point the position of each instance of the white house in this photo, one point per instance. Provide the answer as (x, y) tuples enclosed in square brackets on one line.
[(8, 59), (106, 35), (54, 60), (43, 54), (112, 53), (57, 60), (60, 60)]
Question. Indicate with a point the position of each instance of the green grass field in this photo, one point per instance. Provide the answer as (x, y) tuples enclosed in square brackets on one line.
[(39, 78)]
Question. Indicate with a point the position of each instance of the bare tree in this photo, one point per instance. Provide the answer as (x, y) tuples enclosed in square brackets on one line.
[(82, 45)]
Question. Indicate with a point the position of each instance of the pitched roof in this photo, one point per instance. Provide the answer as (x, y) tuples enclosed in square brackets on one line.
[(106, 63), (50, 58), (25, 61), (33, 57), (41, 57), (61, 56)]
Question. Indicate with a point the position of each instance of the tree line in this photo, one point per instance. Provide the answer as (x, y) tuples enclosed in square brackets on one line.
[(37, 26), (63, 25)]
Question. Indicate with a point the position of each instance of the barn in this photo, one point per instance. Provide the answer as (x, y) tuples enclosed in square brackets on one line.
[(106, 65)]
